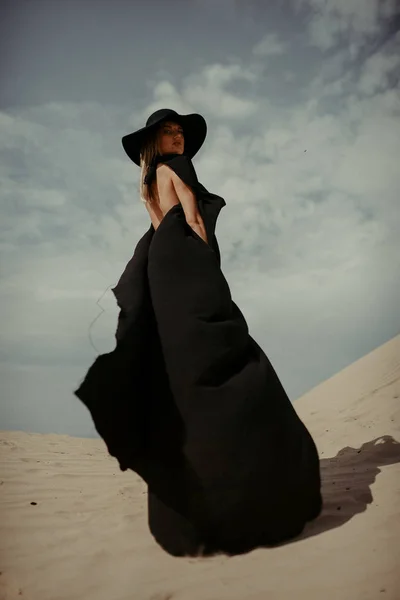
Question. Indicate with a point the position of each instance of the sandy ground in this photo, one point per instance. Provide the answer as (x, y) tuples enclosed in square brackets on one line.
[(73, 526)]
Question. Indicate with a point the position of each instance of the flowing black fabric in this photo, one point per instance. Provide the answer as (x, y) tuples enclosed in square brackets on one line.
[(189, 401)]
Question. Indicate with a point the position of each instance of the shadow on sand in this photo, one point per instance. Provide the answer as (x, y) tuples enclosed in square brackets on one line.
[(346, 483)]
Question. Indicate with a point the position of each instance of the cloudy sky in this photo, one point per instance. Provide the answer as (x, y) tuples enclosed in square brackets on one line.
[(302, 103)]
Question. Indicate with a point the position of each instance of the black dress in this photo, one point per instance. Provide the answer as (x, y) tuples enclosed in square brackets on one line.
[(189, 401)]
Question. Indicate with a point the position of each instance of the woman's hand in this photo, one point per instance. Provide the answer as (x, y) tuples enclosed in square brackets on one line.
[(199, 228)]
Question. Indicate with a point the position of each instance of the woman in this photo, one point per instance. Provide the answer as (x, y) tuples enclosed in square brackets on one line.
[(168, 189), (188, 399)]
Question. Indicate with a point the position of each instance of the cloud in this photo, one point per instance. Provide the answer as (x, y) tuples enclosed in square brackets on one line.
[(270, 45), (207, 90), (203, 91), (348, 20), (286, 203), (377, 71)]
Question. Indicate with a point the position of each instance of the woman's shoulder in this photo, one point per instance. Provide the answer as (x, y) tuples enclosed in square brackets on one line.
[(178, 165)]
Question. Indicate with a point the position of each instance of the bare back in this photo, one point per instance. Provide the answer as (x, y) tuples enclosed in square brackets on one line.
[(165, 196)]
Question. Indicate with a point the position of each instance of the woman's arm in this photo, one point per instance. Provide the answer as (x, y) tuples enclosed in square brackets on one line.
[(189, 204), (170, 183)]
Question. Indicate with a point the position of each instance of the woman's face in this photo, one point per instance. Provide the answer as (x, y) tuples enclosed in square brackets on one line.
[(171, 138)]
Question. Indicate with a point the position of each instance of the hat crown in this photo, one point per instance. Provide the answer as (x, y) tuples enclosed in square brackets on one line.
[(160, 114)]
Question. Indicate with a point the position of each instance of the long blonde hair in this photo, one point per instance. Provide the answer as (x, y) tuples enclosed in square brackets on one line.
[(150, 149)]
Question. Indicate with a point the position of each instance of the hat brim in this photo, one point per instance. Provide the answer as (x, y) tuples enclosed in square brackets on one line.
[(194, 129)]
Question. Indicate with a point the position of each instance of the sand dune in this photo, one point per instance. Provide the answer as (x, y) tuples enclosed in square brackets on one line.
[(74, 527)]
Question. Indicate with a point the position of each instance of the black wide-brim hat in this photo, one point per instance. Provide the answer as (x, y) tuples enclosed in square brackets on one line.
[(194, 129)]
